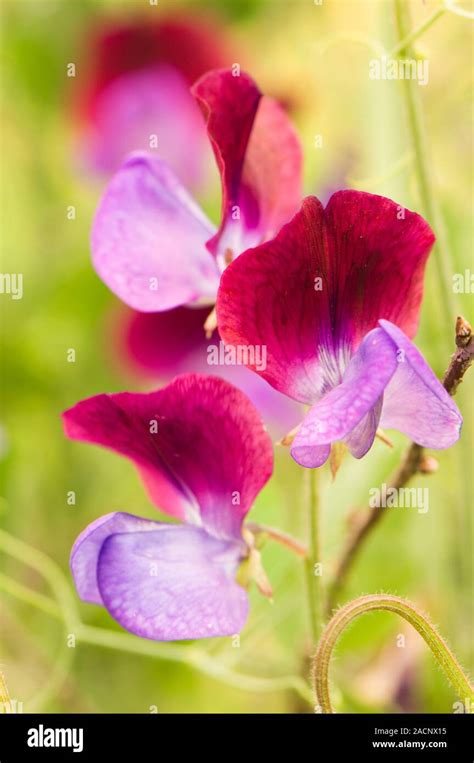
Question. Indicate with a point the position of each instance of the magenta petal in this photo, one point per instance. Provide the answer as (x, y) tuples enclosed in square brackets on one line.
[(86, 549), (172, 584), (415, 402), (258, 155), (148, 239), (379, 252), (268, 298), (199, 445), (162, 345), (343, 409), (144, 103)]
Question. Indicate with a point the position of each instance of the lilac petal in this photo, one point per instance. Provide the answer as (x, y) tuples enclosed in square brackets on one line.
[(338, 412), (173, 584), (86, 549), (148, 239), (415, 402), (360, 439), (142, 103)]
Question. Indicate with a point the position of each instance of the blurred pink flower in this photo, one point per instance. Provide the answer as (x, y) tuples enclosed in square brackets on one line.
[(136, 91)]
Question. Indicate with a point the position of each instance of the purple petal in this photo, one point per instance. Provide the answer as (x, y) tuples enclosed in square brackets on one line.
[(199, 445), (258, 155), (173, 584), (149, 102), (343, 409), (415, 402), (148, 239), (86, 549), (360, 439)]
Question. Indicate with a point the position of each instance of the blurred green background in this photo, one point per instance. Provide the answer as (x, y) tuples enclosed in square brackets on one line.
[(316, 58)]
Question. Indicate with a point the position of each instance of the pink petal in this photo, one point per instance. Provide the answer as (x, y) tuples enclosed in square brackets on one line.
[(148, 239), (258, 155), (143, 106), (415, 402), (208, 459), (172, 584), (345, 408)]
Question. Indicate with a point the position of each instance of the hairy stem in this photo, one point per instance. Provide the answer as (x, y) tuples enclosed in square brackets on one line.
[(379, 602), (412, 462)]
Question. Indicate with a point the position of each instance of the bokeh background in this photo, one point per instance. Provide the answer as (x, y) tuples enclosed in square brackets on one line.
[(315, 59)]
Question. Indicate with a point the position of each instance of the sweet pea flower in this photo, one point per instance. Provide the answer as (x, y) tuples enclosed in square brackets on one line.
[(135, 85), (151, 243), (203, 455), (335, 299)]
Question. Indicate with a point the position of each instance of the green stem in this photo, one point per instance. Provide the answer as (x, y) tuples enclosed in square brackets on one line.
[(415, 33), (442, 653), (313, 574), (423, 164)]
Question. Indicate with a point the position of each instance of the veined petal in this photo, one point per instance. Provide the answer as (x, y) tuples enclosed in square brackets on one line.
[(343, 411), (259, 158), (199, 445), (269, 298), (86, 549), (415, 401), (379, 252), (172, 584), (148, 239)]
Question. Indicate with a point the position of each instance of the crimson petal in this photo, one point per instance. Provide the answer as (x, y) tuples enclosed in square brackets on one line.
[(258, 155)]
